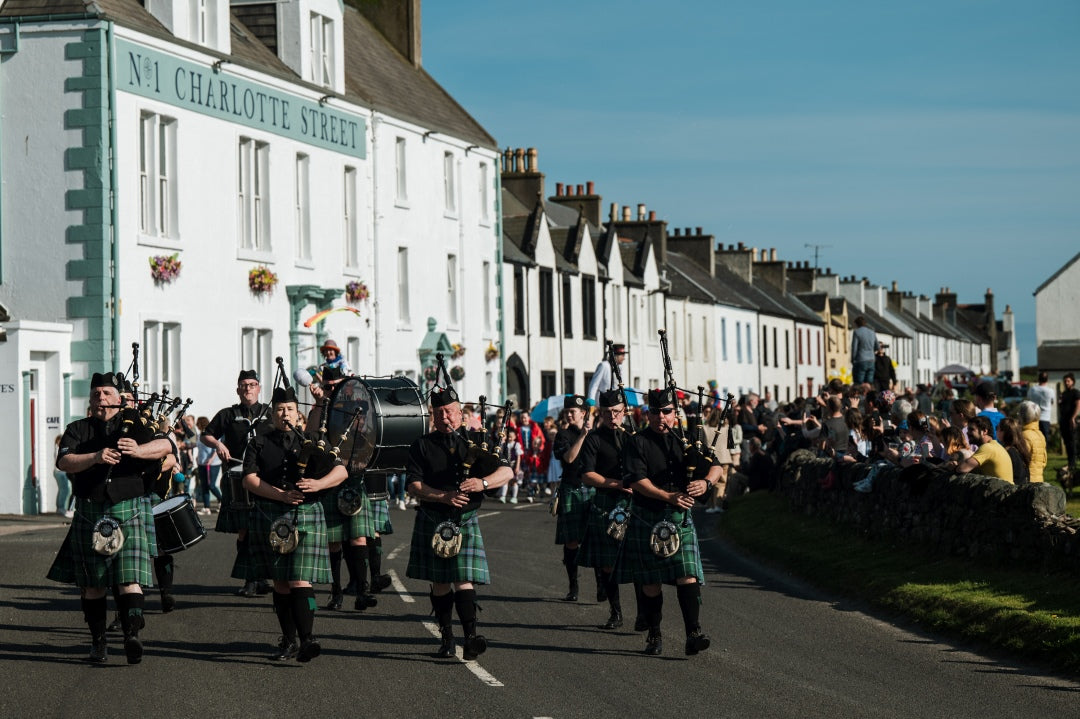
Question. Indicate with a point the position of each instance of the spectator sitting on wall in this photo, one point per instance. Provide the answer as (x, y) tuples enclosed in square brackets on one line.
[(990, 458), (1011, 437), (955, 445), (1030, 423), (963, 411)]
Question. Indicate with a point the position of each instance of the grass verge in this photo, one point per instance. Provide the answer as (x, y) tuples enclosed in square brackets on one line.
[(1026, 614)]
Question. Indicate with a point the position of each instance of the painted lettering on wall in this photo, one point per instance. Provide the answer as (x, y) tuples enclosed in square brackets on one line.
[(7, 389), (160, 76)]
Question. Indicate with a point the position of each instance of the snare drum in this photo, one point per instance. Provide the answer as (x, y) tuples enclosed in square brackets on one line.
[(376, 485), (178, 526), (383, 416), (240, 498)]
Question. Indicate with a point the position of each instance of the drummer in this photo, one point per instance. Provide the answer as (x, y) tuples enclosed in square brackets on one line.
[(344, 521), (106, 467), (228, 434)]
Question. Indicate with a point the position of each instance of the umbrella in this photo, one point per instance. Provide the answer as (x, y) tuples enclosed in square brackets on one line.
[(953, 369), (550, 407)]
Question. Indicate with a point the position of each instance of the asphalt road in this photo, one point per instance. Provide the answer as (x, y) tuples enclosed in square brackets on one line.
[(779, 649)]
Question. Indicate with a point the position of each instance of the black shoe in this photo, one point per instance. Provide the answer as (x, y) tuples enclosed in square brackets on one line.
[(99, 650), (336, 600), (380, 582), (615, 620), (168, 602), (133, 648), (640, 624), (309, 649), (350, 588), (474, 647), (696, 642), (248, 590), (287, 649), (601, 594), (446, 645), (364, 601), (263, 587), (571, 596), (654, 645), (114, 625)]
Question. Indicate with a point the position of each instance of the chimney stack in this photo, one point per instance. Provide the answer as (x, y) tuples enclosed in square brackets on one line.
[(399, 22)]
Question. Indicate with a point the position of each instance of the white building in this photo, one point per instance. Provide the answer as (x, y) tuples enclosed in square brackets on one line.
[(1057, 333), (299, 136)]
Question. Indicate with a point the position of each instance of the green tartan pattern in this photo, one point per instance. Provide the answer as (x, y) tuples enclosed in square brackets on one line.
[(230, 521), (242, 567), (309, 562), (574, 509), (151, 527), (340, 527), (77, 562), (470, 564), (598, 549), (639, 564), (381, 510)]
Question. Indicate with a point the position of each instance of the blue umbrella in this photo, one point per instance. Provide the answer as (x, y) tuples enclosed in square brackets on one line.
[(550, 407)]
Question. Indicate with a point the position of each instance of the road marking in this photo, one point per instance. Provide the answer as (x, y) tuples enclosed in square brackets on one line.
[(486, 514), (481, 673), (400, 588), (20, 528), (396, 551)]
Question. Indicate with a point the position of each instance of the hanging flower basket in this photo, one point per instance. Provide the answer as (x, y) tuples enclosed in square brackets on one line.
[(356, 292), (261, 280), (165, 268), (457, 373), (491, 353), (458, 351), (431, 373)]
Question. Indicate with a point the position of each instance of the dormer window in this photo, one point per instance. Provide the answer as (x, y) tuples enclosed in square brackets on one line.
[(322, 50)]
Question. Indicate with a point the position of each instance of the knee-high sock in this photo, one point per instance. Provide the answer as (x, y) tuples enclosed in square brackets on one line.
[(443, 606), (283, 609), (639, 598), (569, 559), (652, 608), (690, 603), (163, 572), (303, 610), (356, 561), (131, 613), (94, 613), (465, 600), (612, 587), (375, 556), (335, 571)]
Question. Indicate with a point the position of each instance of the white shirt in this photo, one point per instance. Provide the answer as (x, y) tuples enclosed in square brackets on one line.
[(1044, 397), (600, 382)]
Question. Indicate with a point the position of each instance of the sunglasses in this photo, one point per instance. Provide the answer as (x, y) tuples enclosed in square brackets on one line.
[(663, 410)]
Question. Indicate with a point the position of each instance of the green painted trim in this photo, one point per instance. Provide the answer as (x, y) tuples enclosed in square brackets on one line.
[(66, 400), (300, 296), (95, 233), (114, 217)]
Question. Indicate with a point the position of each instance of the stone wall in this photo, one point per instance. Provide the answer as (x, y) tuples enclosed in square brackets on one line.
[(953, 514)]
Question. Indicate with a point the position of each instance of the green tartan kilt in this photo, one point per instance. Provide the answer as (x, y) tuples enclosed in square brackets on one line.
[(77, 562), (230, 521), (309, 562), (573, 516), (470, 564), (151, 528), (340, 527), (641, 565), (380, 508), (598, 550)]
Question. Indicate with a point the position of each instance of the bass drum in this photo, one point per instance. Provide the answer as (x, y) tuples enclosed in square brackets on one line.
[(383, 416)]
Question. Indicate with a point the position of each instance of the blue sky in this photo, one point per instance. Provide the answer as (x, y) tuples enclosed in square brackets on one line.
[(931, 143)]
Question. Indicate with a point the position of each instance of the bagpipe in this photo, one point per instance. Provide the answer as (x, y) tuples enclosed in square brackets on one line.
[(617, 373)]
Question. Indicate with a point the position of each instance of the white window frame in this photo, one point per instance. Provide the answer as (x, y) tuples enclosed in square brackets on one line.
[(738, 342), (452, 295), (401, 164), (403, 286), (350, 221), (321, 59), (486, 283), (256, 352), (161, 356), (303, 208), (485, 196), (158, 218), (253, 195), (449, 183)]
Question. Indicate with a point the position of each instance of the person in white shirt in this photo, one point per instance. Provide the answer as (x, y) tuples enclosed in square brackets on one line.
[(1045, 398), (602, 379)]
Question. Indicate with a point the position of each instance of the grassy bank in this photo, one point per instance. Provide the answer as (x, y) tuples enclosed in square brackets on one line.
[(1027, 614)]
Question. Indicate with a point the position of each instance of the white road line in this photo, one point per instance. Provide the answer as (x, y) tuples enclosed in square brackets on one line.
[(396, 551), (486, 514), (400, 588), (472, 666)]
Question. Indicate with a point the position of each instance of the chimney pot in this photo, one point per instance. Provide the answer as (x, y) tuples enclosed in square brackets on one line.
[(894, 286), (676, 231), (652, 215), (641, 211), (614, 211), (532, 159), (590, 187), (741, 247), (581, 189), (558, 189), (626, 213), (699, 231), (772, 255), (828, 270), (519, 160)]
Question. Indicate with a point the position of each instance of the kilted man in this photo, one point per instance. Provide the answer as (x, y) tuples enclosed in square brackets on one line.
[(662, 546), (447, 547), (288, 527), (600, 463), (228, 434), (572, 504), (107, 543), (349, 523)]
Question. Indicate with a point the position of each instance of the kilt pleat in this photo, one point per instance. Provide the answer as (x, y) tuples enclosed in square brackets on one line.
[(340, 527), (380, 509), (641, 565), (230, 521), (309, 562), (470, 564), (573, 516), (77, 562), (598, 550)]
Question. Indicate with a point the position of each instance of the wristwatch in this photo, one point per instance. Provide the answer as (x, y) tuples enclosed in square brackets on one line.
[(484, 482)]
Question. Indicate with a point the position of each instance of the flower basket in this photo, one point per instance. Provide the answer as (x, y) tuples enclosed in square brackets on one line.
[(431, 373), (457, 373), (356, 292), (491, 353), (261, 280), (458, 351), (165, 268)]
